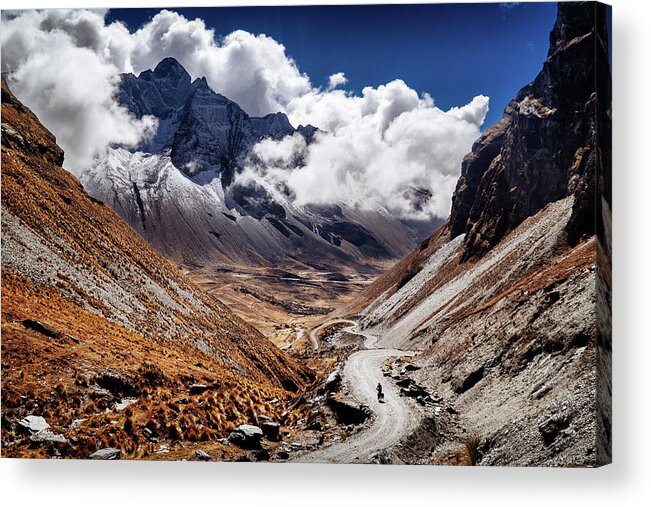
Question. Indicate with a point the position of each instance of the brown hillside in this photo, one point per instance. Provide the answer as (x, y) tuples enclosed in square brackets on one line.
[(107, 306)]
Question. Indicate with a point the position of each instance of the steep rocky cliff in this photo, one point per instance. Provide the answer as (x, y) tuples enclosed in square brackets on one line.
[(545, 146)]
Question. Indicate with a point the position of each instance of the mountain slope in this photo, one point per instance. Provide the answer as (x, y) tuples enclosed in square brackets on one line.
[(179, 188), (91, 314), (509, 303), (545, 146)]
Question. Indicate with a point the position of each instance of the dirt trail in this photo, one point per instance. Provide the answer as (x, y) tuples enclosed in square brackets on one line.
[(392, 420), (313, 334)]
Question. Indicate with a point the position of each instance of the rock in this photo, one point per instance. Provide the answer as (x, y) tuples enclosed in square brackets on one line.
[(282, 455), (333, 382), (271, 430), (246, 436), (552, 427), (118, 385), (42, 328), (202, 455), (99, 393), (411, 367), (198, 388), (541, 392), (314, 424), (347, 412), (107, 453), (34, 423), (262, 455), (125, 403), (48, 437), (468, 381)]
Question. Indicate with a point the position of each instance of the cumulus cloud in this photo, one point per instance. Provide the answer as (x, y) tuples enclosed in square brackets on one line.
[(55, 68), (337, 79), (65, 64), (386, 147)]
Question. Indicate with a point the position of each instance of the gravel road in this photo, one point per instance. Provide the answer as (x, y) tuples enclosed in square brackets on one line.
[(392, 420)]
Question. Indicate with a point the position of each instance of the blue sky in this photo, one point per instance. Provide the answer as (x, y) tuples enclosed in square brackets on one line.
[(451, 51)]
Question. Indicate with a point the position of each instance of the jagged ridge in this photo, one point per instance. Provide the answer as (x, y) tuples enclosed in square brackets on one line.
[(203, 129)]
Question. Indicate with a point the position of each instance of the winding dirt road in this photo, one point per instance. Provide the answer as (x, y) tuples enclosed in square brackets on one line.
[(313, 334), (392, 420)]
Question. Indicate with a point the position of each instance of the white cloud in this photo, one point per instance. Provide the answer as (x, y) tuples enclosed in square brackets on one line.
[(384, 147), (387, 148), (58, 72), (337, 79)]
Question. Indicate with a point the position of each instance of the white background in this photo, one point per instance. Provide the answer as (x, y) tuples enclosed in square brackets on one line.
[(626, 482)]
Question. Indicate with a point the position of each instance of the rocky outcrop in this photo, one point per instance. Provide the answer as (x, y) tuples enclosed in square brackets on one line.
[(246, 436), (553, 141)]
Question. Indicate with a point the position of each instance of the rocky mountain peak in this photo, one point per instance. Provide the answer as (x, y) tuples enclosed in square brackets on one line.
[(204, 131), (545, 146), (170, 68)]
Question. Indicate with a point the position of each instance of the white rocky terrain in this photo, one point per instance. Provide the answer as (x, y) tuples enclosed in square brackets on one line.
[(508, 340)]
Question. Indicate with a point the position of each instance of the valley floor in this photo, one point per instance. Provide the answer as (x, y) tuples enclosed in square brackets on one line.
[(285, 303)]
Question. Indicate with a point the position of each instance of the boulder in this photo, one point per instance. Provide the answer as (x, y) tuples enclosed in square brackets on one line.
[(333, 382), (271, 430), (34, 423), (198, 388), (246, 436), (107, 453), (348, 412), (552, 427), (202, 455)]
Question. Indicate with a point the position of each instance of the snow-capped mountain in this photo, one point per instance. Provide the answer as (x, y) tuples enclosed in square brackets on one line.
[(177, 188), (203, 129)]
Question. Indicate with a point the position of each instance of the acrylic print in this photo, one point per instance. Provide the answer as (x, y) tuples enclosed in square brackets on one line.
[(329, 234)]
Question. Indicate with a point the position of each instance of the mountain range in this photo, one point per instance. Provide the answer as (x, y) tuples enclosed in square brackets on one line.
[(491, 337), (179, 188)]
